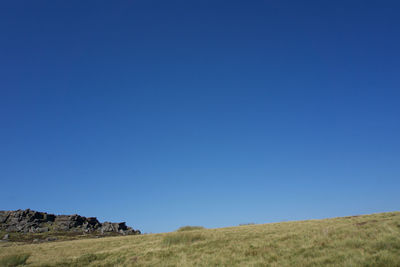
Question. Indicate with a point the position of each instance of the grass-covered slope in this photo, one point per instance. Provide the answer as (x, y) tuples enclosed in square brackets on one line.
[(369, 240)]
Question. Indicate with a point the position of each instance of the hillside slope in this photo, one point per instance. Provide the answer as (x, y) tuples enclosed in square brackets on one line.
[(368, 240)]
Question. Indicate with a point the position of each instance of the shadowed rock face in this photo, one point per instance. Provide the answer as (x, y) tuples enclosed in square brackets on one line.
[(30, 221)]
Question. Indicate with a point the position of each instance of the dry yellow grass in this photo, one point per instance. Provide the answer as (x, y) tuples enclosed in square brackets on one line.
[(368, 240)]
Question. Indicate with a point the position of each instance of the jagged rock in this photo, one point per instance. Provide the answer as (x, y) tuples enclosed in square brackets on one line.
[(69, 221), (49, 217), (4, 216), (113, 227), (29, 221), (12, 228)]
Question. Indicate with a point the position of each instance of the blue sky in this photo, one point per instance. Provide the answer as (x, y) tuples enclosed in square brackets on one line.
[(213, 113)]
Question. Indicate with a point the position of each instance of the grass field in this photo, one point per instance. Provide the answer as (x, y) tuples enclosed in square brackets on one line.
[(368, 240)]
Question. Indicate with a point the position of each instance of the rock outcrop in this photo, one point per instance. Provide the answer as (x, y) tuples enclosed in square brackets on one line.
[(30, 221)]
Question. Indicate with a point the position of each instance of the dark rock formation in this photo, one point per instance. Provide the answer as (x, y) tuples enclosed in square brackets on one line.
[(30, 221)]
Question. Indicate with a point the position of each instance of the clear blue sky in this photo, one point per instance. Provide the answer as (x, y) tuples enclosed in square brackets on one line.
[(213, 113)]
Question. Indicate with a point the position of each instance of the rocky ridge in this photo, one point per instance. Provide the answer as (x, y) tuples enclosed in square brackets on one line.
[(30, 221)]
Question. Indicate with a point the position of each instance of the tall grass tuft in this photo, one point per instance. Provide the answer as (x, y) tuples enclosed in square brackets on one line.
[(14, 260), (182, 238), (189, 228)]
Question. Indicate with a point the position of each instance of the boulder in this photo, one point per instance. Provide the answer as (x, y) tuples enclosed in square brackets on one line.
[(51, 238), (40, 230)]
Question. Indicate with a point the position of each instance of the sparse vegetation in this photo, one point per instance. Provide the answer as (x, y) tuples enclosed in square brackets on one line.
[(369, 240)]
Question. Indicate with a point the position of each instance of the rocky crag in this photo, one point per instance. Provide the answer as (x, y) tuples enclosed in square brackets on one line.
[(30, 221)]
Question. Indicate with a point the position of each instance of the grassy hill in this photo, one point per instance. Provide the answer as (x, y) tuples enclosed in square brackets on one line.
[(368, 240)]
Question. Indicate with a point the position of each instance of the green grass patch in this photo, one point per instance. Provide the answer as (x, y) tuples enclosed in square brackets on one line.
[(14, 260)]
